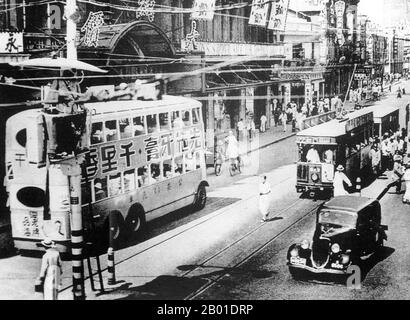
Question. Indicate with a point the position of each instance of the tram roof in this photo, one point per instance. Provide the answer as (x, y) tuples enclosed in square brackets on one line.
[(381, 111), (333, 128), (114, 106)]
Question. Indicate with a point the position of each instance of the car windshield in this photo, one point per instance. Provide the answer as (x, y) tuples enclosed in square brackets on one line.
[(343, 219)]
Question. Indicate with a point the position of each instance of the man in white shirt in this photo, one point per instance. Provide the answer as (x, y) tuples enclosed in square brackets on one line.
[(263, 123), (312, 155), (264, 197), (386, 152), (240, 127)]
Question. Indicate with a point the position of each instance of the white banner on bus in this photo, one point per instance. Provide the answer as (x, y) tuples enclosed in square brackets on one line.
[(278, 15), (259, 12), (203, 10)]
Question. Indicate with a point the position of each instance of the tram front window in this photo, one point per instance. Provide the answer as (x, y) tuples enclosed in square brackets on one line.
[(317, 154)]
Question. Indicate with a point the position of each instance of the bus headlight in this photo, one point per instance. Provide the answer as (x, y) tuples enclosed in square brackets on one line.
[(335, 248), (314, 177)]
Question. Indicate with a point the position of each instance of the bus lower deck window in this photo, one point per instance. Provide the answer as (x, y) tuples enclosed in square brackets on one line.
[(155, 171), (100, 188), (142, 174), (139, 126), (152, 123), (176, 119), (111, 130), (129, 180), (189, 162), (198, 160), (114, 184), (178, 165), (85, 193), (125, 128), (97, 133), (167, 169)]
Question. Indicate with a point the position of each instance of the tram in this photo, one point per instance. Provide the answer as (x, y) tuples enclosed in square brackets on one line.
[(385, 118), (345, 141)]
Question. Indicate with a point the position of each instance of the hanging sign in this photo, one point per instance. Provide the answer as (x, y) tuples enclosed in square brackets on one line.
[(191, 38), (259, 13), (91, 28), (11, 42), (340, 10), (278, 15), (203, 10)]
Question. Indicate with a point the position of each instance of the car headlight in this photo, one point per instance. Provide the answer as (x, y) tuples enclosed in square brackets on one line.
[(305, 244), (314, 177), (335, 248), (294, 252), (345, 259)]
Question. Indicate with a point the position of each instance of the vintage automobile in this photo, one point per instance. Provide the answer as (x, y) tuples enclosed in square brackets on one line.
[(348, 230)]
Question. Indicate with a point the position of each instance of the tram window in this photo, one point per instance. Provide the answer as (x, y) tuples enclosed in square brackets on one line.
[(178, 165), (97, 133), (186, 117), (129, 180), (85, 193), (176, 119), (114, 184), (139, 126), (152, 123), (100, 188), (167, 169), (164, 121), (189, 162), (111, 130), (198, 160), (142, 176), (195, 115), (125, 128)]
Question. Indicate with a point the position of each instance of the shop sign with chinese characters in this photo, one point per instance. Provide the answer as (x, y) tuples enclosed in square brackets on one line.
[(259, 13), (203, 10), (278, 15), (11, 42), (340, 10)]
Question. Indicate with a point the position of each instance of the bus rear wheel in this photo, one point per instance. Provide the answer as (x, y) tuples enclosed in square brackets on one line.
[(200, 198), (135, 223)]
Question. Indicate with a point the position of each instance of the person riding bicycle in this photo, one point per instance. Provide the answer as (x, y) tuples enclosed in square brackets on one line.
[(232, 151)]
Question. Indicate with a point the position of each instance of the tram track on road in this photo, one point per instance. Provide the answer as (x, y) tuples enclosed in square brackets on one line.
[(259, 248), (185, 230)]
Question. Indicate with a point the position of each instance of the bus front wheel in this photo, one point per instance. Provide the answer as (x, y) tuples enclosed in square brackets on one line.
[(200, 198)]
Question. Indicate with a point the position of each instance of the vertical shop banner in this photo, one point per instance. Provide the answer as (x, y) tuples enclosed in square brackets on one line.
[(249, 100), (259, 12), (203, 10), (340, 10), (278, 15)]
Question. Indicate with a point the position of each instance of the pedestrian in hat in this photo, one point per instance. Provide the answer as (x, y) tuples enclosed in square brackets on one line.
[(406, 178), (338, 180), (398, 172), (51, 271), (264, 197)]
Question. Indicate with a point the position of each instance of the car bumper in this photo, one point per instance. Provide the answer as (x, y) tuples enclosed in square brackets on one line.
[(316, 270)]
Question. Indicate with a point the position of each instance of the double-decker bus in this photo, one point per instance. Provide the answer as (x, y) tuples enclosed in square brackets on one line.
[(345, 141), (145, 159)]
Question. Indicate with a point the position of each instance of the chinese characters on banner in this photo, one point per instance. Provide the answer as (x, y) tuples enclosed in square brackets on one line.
[(191, 38), (91, 28), (278, 15), (11, 42), (203, 9), (340, 10), (118, 156), (259, 12)]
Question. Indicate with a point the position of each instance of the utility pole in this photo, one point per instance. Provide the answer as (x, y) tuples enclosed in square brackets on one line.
[(72, 168), (70, 10)]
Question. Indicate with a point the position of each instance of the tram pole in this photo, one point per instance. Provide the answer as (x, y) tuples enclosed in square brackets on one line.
[(348, 89)]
